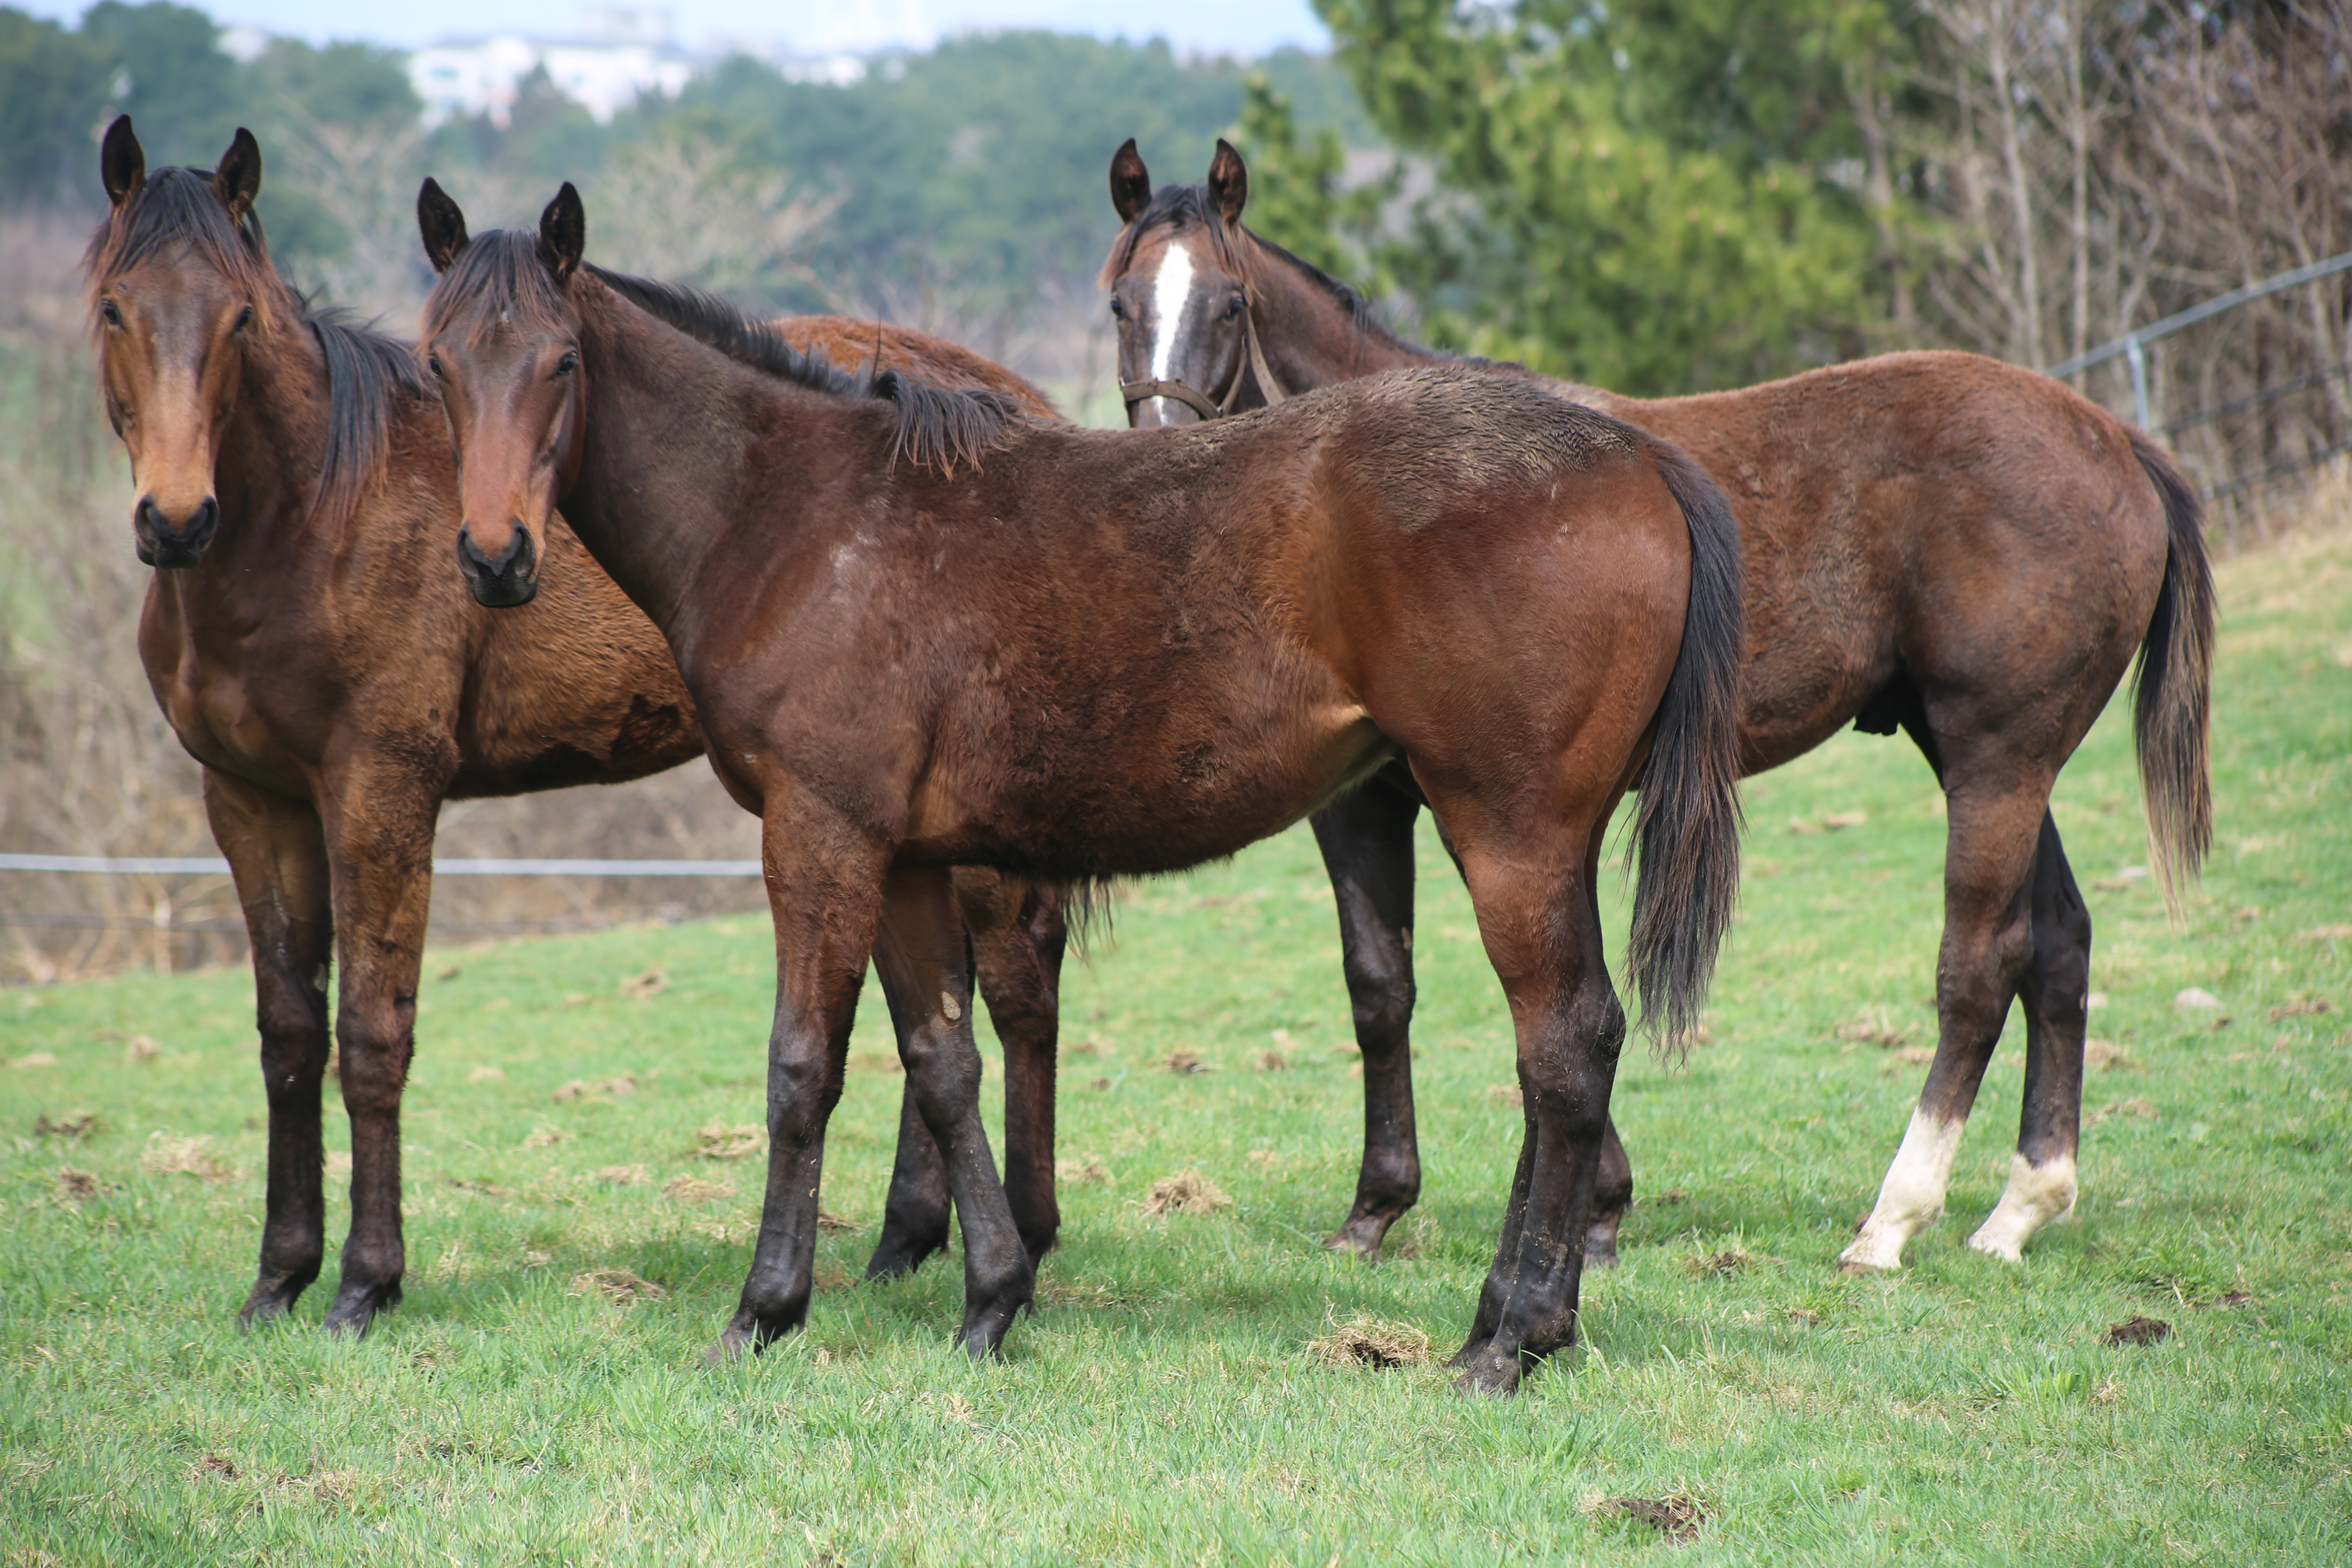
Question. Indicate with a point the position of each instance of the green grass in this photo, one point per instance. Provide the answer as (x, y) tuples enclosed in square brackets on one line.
[(1163, 1405)]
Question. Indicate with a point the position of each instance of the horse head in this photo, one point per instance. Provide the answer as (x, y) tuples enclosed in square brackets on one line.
[(502, 339), (180, 284), (1180, 291)]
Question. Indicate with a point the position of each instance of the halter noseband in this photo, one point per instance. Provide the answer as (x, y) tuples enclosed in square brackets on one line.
[(1135, 392)]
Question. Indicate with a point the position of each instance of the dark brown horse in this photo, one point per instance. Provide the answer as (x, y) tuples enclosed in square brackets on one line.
[(1937, 543), (312, 650), (922, 632)]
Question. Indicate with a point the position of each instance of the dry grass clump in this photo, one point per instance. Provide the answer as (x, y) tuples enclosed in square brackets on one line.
[(74, 1186), (1676, 1516), (167, 1155), (721, 1141), (695, 1190), (1187, 1062), (622, 1286), (1361, 1339), (1509, 1094), (543, 1137), (625, 1175), (837, 1225), (652, 983), (1081, 1173), (605, 1089), (1186, 1191), (73, 1126)]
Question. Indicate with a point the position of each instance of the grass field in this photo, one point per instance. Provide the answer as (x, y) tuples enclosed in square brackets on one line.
[(1164, 1405)]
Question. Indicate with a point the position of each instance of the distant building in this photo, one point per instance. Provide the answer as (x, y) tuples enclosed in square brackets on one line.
[(621, 54)]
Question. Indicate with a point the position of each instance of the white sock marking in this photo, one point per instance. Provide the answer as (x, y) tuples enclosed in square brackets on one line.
[(1911, 1198), (2036, 1194)]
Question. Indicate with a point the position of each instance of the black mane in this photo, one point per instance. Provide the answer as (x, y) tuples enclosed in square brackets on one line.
[(937, 427), (366, 368), (503, 272)]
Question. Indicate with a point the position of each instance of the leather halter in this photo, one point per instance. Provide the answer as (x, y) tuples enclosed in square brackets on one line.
[(1135, 392)]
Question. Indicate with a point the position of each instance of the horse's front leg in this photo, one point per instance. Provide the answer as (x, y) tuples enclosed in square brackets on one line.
[(379, 823), (824, 893), (277, 855)]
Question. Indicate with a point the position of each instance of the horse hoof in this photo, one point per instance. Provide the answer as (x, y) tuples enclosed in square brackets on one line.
[(1487, 1371), (1360, 1238), (355, 1309), (732, 1347), (1600, 1257), (894, 1257)]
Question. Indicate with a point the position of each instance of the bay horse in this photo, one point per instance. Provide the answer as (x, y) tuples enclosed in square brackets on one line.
[(924, 632), (295, 487), (1936, 542)]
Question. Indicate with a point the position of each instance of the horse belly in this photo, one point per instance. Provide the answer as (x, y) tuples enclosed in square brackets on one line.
[(1144, 801)]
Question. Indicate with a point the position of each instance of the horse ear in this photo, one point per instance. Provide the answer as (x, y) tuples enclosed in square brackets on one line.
[(1228, 182), (563, 233), (442, 223), (239, 179), (122, 161), (1131, 182)]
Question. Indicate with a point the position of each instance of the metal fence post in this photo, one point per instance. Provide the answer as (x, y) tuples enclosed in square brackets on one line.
[(2136, 353)]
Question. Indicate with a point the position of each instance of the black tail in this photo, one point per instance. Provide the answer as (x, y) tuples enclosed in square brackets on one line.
[(1688, 829), (2175, 687)]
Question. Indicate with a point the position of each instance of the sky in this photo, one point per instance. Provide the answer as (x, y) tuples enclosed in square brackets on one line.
[(810, 26)]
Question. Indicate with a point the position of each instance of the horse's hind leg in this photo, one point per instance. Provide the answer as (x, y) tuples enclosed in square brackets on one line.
[(1996, 805), (2057, 994), (277, 855), (1542, 929), (1367, 843), (916, 1213), (380, 840)]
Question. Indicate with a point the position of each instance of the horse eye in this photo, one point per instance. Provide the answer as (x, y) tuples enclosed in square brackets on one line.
[(568, 362), (433, 364), (111, 314), (1118, 307), (244, 319), (1234, 306)]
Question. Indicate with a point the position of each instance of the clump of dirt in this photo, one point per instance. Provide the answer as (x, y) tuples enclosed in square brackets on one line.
[(1721, 1265), (1086, 1172), (837, 1225), (1804, 1317), (2132, 1107), (2138, 1331), (167, 1155), (1361, 1339), (695, 1190), (1187, 1192), (652, 983), (625, 1175), (141, 1048), (78, 1186), (1874, 1027), (719, 1141), (1187, 1062), (544, 1137), (2106, 1055), (220, 1467), (1675, 1516), (622, 1286), (605, 1089), (1272, 1061), (73, 1126), (2302, 1007)]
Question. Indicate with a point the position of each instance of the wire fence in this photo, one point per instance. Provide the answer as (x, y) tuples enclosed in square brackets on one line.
[(2269, 395)]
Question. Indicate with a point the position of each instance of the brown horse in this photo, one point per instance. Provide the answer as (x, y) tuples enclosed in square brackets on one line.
[(1934, 542), (923, 633), (296, 490)]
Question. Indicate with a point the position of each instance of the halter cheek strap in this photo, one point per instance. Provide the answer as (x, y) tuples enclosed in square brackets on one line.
[(1135, 392)]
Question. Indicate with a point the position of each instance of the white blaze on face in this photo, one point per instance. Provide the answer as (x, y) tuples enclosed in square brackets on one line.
[(1170, 291), (2036, 1196), (1911, 1196)]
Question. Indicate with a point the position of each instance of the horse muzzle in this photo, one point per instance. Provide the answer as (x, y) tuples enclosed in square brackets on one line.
[(173, 545), (508, 581)]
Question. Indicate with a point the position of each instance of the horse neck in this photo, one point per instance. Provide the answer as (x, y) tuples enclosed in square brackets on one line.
[(661, 452), (1310, 337)]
